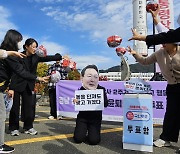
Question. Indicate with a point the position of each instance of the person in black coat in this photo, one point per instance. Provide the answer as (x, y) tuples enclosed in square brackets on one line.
[(88, 123), (170, 37), (57, 66), (24, 88), (8, 66)]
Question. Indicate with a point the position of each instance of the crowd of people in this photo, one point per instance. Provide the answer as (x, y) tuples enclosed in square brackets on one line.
[(18, 75)]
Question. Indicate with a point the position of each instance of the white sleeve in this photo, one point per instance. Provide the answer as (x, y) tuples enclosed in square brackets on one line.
[(161, 28), (3, 54)]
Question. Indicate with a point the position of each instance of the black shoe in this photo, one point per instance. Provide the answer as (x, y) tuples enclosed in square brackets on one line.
[(6, 149), (178, 151)]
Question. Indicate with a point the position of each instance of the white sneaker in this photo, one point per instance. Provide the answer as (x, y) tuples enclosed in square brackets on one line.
[(51, 117), (36, 116), (31, 131), (161, 143), (15, 133), (60, 117)]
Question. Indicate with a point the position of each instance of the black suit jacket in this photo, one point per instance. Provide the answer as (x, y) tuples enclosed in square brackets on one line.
[(9, 66), (18, 83), (161, 38)]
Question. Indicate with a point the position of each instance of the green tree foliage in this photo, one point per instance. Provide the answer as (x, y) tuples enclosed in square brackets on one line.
[(41, 88), (42, 69), (74, 75)]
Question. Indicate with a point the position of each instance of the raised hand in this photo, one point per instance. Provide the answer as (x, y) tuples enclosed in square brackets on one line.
[(154, 13), (137, 36), (130, 50)]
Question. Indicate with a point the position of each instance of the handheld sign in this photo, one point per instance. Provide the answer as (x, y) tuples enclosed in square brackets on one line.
[(89, 100)]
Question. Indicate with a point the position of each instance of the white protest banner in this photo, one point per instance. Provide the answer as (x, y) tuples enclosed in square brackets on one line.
[(89, 100), (137, 86)]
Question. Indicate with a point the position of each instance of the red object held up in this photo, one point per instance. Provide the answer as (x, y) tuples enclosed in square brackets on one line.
[(114, 41), (151, 6), (121, 50), (65, 63)]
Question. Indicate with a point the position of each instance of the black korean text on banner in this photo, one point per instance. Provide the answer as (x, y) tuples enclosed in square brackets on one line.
[(89, 100)]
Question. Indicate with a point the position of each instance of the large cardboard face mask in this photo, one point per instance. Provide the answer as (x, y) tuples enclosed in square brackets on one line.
[(90, 79)]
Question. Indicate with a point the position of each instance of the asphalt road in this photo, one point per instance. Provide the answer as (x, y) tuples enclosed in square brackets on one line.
[(55, 136)]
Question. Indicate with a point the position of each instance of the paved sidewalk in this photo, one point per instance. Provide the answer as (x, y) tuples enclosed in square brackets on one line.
[(55, 136)]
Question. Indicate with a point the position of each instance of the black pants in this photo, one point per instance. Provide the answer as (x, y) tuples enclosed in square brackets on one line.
[(171, 124), (27, 110), (87, 129), (52, 99), (34, 107)]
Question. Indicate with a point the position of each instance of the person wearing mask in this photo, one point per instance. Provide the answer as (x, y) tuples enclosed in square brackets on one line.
[(24, 88), (9, 64), (57, 66), (88, 123)]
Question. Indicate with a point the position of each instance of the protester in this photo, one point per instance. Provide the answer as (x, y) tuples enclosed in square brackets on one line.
[(8, 65), (57, 66), (161, 38), (4, 147), (88, 123), (160, 28), (168, 59), (24, 88)]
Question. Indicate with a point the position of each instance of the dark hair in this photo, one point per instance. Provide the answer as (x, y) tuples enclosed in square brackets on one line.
[(88, 66), (11, 39), (28, 42)]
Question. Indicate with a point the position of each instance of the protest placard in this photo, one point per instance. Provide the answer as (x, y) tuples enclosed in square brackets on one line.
[(89, 100)]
